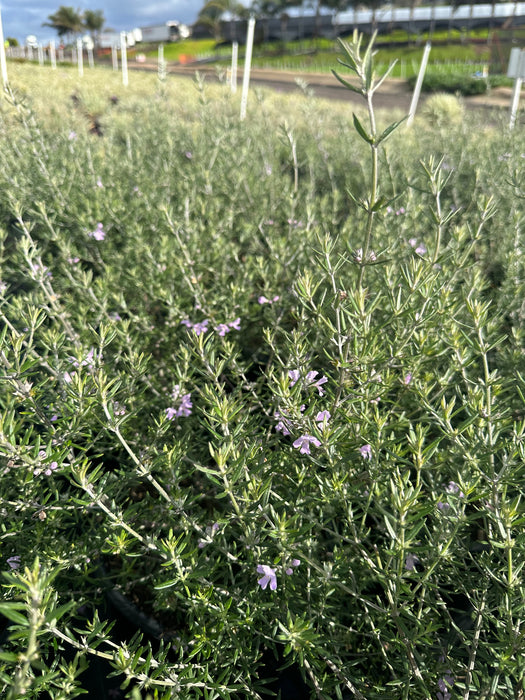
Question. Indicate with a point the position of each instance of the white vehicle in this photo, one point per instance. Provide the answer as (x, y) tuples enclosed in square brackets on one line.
[(169, 31), (107, 40)]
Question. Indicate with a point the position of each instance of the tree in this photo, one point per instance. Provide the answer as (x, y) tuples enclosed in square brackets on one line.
[(212, 13), (94, 21), (66, 21)]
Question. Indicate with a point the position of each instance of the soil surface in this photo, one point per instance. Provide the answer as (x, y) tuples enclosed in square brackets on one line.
[(394, 94)]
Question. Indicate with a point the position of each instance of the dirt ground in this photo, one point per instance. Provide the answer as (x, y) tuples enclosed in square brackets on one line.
[(394, 94)]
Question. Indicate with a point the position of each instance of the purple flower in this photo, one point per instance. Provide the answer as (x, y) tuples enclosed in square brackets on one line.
[(222, 329), (421, 249), (268, 577), (51, 468), (294, 376), (310, 377), (184, 407), (14, 562), (72, 136), (410, 562), (407, 378), (99, 183), (443, 507), (235, 325), (281, 428), (198, 328), (366, 451), (454, 489), (303, 443), (189, 155), (323, 416), (98, 234), (444, 684), (263, 300)]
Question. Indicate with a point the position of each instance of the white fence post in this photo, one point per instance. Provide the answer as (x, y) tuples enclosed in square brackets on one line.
[(124, 58), (40, 54), (516, 70), (52, 55), (91, 60), (419, 83), (3, 62), (233, 75), (247, 66), (80, 58), (114, 56)]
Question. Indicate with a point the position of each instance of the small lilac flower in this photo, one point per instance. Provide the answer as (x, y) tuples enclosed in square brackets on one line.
[(73, 261), (407, 378), (421, 249), (410, 562), (293, 563), (400, 211), (323, 416), (189, 155), (119, 409), (444, 684), (72, 136), (14, 562), (310, 379), (454, 489), (68, 377), (263, 300), (268, 577), (294, 376), (99, 183), (222, 329), (170, 413), (198, 328), (303, 443), (235, 325), (283, 425), (98, 234), (366, 451), (185, 406), (389, 210), (51, 468), (358, 255), (443, 507), (412, 242)]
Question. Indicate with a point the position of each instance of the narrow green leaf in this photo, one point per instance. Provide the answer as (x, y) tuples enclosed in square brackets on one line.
[(347, 84), (389, 129), (362, 131)]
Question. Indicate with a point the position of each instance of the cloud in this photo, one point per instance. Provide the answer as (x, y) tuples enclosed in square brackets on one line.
[(21, 19)]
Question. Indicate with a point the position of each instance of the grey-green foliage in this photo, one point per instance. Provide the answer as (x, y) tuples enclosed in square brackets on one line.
[(405, 515)]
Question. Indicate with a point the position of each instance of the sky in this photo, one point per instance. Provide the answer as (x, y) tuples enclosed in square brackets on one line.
[(21, 18)]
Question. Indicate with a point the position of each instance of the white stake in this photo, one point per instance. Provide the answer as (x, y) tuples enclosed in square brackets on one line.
[(161, 65), (80, 58), (419, 83), (515, 70), (247, 66), (233, 76), (124, 58), (3, 62), (61, 56), (40, 55), (114, 57), (90, 57), (52, 55)]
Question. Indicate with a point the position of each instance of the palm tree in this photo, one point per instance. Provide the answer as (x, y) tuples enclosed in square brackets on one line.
[(66, 21), (94, 21)]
